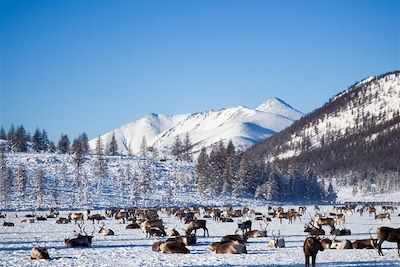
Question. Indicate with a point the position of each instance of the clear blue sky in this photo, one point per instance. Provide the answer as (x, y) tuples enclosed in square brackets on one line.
[(74, 66)]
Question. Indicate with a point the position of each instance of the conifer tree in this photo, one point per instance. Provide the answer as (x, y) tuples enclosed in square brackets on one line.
[(176, 149), (113, 146), (39, 186), (187, 147), (3, 135), (143, 146), (63, 144), (22, 178)]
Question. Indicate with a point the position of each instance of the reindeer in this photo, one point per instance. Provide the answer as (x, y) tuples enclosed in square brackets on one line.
[(371, 210), (172, 232), (229, 238), (76, 216), (341, 244), (153, 224), (104, 231), (197, 224), (389, 234), (27, 221), (232, 247), (186, 240), (172, 247), (215, 214), (312, 230), (96, 217), (326, 243), (340, 232), (382, 216), (244, 226), (319, 221), (133, 225), (81, 240), (40, 253), (256, 233), (311, 247), (9, 224), (122, 215), (62, 220), (276, 241), (154, 232)]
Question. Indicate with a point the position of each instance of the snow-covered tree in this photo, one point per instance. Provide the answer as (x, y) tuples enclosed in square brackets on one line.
[(202, 171), (113, 146), (5, 178), (187, 148), (63, 144), (176, 149), (143, 146), (22, 178), (3, 135), (39, 177)]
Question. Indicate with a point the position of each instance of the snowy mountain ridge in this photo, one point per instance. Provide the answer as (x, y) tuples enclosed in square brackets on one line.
[(244, 126), (357, 129)]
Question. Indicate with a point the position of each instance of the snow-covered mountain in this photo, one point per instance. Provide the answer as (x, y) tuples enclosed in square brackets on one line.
[(356, 130), (244, 126)]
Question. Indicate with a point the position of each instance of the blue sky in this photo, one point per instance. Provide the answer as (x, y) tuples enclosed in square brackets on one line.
[(74, 66)]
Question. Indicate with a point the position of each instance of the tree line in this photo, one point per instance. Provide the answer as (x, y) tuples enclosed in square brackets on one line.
[(226, 171)]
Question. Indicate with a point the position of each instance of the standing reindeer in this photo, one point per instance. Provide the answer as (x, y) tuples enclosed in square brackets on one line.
[(311, 247), (197, 224), (389, 234)]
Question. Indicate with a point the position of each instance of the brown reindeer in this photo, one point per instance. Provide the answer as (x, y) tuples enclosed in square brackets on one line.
[(76, 216), (256, 233), (232, 247), (81, 240), (172, 247), (197, 224), (229, 238), (312, 230), (381, 216), (40, 253), (326, 243), (186, 240), (153, 224), (311, 247), (320, 221), (389, 234)]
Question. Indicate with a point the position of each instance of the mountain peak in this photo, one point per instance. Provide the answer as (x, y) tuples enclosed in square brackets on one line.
[(272, 102), (278, 106)]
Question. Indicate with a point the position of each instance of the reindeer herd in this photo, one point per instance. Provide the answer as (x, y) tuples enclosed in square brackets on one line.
[(321, 230)]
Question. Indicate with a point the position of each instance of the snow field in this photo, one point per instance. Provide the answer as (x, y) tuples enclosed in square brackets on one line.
[(131, 248)]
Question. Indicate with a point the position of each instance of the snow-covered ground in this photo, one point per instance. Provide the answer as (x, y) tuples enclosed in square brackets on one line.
[(131, 248)]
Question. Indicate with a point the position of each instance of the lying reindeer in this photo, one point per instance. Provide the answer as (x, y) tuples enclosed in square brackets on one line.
[(40, 253), (186, 240), (341, 244), (311, 247), (340, 232), (104, 231), (232, 247), (81, 240), (8, 224), (276, 241), (170, 247), (312, 230)]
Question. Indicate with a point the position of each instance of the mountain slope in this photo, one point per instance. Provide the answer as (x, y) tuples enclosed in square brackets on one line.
[(357, 130), (244, 126)]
